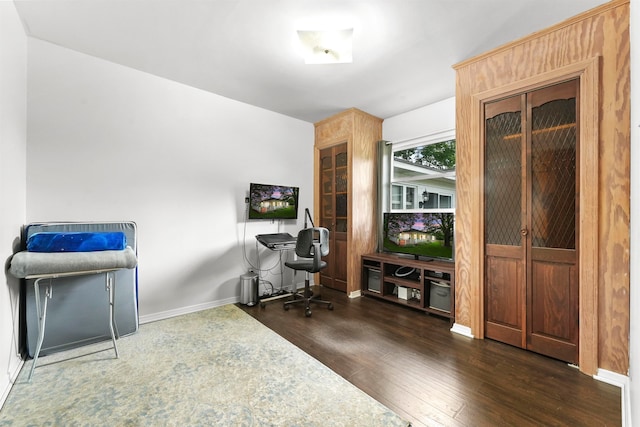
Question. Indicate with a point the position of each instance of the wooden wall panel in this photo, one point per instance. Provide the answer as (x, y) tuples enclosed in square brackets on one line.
[(467, 196), (600, 37), (363, 195), (333, 130), (614, 195)]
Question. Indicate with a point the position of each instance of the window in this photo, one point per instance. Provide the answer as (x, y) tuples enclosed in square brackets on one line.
[(423, 174), (445, 201), (397, 196), (403, 197), (409, 197)]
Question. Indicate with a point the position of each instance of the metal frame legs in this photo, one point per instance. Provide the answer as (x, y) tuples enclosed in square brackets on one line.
[(41, 309)]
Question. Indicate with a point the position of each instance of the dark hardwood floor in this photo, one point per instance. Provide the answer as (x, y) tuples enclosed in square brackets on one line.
[(411, 362)]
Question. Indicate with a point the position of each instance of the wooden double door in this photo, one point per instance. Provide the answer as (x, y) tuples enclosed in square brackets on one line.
[(531, 191)]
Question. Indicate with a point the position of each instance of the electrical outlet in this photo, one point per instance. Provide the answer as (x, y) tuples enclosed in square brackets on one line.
[(246, 200)]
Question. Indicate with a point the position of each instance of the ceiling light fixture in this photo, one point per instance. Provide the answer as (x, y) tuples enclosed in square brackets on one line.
[(327, 46)]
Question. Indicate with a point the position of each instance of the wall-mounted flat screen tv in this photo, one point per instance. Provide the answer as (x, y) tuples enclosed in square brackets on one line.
[(267, 201), (421, 235)]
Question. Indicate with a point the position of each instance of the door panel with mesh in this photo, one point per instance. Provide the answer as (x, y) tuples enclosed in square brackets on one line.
[(504, 273), (553, 306), (503, 168)]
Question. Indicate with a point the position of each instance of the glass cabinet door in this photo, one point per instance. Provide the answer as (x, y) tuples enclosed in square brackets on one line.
[(334, 192)]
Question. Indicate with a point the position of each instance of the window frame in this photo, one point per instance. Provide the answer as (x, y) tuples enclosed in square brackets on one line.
[(438, 191)]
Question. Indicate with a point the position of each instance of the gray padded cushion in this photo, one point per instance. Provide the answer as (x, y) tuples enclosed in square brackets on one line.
[(26, 263)]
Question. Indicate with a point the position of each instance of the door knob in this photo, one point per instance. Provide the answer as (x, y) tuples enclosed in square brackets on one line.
[(524, 231)]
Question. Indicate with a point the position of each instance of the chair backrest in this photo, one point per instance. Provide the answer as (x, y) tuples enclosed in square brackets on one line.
[(311, 238)]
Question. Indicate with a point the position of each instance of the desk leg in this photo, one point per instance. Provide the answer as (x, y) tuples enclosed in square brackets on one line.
[(113, 305), (42, 318), (110, 284)]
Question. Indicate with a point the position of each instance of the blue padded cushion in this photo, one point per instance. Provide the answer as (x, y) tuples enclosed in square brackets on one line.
[(77, 241)]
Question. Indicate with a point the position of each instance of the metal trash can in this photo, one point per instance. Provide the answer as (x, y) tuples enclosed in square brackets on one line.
[(249, 289)]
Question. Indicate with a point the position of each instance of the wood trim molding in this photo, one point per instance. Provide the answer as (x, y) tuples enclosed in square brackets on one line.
[(588, 74), (589, 215)]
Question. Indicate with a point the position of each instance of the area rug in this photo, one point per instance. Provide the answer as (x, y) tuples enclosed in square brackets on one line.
[(218, 367)]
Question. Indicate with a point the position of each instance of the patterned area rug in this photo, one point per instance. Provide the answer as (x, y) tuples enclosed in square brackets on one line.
[(214, 367)]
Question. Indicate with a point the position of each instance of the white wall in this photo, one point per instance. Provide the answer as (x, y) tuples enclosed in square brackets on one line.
[(109, 143), (424, 121), (13, 141)]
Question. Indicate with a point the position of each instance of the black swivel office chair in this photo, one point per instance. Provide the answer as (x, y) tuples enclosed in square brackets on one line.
[(312, 244)]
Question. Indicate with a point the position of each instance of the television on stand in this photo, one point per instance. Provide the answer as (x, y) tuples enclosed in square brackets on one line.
[(424, 236), (274, 202)]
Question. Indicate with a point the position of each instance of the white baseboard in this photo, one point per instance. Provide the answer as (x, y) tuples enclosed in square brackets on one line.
[(621, 381), (186, 310), (13, 376), (462, 330)]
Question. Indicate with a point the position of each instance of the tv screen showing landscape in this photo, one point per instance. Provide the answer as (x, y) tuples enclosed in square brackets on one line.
[(273, 201), (422, 235)]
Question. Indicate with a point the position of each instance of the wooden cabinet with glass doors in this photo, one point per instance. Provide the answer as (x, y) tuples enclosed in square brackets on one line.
[(345, 197)]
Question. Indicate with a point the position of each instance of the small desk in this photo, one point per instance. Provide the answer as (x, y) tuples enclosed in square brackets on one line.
[(276, 242)]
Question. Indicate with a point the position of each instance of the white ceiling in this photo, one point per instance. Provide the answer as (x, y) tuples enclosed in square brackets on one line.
[(403, 50)]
